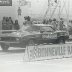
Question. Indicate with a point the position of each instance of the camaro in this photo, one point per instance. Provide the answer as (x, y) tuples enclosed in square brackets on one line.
[(31, 35)]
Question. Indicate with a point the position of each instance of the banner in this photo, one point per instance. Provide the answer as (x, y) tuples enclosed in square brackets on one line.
[(45, 52), (24, 3), (5, 2)]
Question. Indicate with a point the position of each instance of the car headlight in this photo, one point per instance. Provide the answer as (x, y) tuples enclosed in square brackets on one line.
[(18, 34)]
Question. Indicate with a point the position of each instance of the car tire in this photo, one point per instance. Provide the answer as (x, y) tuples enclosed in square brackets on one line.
[(61, 41), (31, 42), (4, 47)]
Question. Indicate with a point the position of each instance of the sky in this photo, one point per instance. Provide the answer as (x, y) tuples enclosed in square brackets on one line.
[(38, 8)]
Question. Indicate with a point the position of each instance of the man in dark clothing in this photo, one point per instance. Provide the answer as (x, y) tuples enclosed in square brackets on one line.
[(16, 25), (10, 23), (7, 23), (61, 24), (27, 20), (4, 23)]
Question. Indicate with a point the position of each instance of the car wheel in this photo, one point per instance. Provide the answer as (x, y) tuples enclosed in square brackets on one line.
[(31, 42), (4, 47), (61, 41)]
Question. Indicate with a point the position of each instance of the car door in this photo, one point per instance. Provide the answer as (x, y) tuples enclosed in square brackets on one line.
[(48, 34)]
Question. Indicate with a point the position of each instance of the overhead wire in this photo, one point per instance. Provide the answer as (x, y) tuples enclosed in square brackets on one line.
[(54, 10)]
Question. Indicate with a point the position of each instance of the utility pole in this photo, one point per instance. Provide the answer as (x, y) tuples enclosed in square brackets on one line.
[(68, 14), (59, 8), (47, 9), (52, 7)]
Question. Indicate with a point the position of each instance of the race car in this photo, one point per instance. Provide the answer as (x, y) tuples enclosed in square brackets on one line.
[(31, 35), (45, 34)]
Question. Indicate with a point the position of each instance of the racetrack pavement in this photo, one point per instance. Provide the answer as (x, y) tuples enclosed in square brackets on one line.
[(15, 54), (12, 61)]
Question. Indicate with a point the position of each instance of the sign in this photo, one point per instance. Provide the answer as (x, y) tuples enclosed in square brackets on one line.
[(5, 2), (49, 36), (43, 52), (24, 3)]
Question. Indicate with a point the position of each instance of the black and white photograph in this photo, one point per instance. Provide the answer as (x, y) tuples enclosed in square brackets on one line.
[(35, 35)]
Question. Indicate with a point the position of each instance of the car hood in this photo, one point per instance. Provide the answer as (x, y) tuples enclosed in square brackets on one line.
[(22, 32)]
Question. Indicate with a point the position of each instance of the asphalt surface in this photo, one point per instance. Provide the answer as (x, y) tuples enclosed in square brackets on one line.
[(12, 61)]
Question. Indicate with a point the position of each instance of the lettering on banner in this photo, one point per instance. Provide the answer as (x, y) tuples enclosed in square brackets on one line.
[(46, 51)]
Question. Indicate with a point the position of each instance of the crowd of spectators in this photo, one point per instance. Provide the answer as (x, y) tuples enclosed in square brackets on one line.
[(9, 24), (57, 24)]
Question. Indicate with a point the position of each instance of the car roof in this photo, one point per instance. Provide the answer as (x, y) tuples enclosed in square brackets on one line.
[(42, 25), (50, 27)]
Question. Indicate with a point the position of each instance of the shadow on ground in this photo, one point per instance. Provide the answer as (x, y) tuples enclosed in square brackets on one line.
[(16, 51), (13, 51)]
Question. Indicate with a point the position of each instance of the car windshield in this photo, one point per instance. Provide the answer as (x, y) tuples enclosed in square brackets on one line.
[(33, 28), (47, 28), (39, 28)]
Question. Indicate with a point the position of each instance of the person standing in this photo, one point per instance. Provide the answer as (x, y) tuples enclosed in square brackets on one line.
[(10, 23), (61, 24), (4, 23), (16, 25)]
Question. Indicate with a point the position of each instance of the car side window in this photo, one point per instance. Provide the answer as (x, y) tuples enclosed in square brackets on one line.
[(48, 29), (33, 28)]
